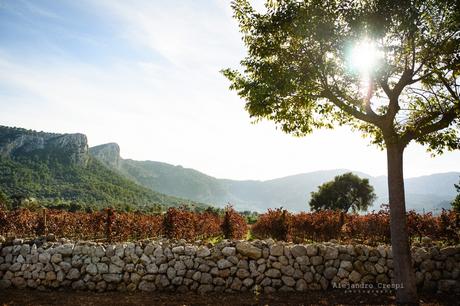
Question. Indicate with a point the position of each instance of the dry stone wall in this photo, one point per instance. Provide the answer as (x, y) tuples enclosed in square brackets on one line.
[(230, 266)]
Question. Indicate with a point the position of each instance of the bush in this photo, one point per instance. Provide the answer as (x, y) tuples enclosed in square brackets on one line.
[(274, 224), (179, 223), (319, 226), (371, 228), (110, 225), (176, 223), (234, 225)]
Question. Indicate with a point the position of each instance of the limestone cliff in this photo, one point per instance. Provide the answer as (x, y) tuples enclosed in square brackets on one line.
[(108, 153), (17, 142)]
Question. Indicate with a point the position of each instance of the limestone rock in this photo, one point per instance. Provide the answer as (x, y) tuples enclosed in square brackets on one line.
[(203, 252), (224, 264), (229, 251), (331, 253), (298, 250), (112, 278), (301, 285), (355, 277), (147, 286), (347, 265), (178, 249), (316, 260), (330, 272), (288, 281), (44, 257), (73, 274), (56, 258), (273, 273), (247, 249), (277, 250)]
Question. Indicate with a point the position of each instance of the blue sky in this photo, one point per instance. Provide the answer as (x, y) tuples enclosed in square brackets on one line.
[(145, 74)]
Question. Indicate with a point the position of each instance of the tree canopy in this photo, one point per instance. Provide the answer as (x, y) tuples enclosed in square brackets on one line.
[(298, 72), (344, 192), (4, 202)]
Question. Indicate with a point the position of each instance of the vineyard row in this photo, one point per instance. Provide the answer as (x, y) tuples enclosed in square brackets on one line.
[(176, 223)]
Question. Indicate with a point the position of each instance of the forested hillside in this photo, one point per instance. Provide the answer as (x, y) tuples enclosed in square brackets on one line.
[(33, 166)]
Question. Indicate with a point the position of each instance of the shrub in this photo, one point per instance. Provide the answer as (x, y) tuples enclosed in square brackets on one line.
[(319, 226), (234, 225), (179, 224), (274, 224), (183, 224), (371, 228)]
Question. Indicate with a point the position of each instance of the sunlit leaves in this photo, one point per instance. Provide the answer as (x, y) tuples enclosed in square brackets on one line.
[(296, 73)]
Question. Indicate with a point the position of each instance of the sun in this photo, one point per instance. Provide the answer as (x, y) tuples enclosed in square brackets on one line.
[(365, 57)]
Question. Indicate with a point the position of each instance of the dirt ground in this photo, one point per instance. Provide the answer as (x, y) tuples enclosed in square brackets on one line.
[(333, 297)]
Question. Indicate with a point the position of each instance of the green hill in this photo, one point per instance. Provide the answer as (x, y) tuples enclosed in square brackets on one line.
[(57, 168)]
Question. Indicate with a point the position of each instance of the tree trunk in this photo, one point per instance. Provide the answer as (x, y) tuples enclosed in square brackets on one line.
[(404, 275)]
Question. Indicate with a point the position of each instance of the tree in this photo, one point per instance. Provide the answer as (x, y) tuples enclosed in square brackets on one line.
[(4, 203), (344, 192), (456, 202), (403, 87)]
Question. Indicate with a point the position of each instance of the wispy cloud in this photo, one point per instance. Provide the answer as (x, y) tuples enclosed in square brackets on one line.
[(146, 75), (38, 10), (190, 34)]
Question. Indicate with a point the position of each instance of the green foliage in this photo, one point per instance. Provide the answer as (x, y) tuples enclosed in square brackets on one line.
[(174, 180), (30, 204), (251, 216), (456, 202), (4, 201), (297, 71), (74, 187), (344, 192)]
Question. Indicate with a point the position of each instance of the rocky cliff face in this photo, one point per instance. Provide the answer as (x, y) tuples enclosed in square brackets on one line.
[(108, 153), (16, 142)]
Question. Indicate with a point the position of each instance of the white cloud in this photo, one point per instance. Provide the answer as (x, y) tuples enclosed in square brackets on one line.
[(193, 35), (175, 106)]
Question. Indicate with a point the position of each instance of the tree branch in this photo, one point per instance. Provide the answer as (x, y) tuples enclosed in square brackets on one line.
[(328, 94), (449, 89), (420, 131)]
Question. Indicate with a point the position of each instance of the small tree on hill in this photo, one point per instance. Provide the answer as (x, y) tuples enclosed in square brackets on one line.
[(345, 192), (387, 68), (4, 203), (456, 202)]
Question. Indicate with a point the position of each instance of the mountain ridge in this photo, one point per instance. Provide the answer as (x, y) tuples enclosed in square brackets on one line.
[(291, 192)]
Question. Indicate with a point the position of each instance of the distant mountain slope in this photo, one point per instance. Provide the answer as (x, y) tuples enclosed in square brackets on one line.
[(59, 167), (172, 180), (292, 192)]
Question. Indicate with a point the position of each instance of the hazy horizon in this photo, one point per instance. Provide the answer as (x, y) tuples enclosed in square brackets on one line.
[(146, 76)]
